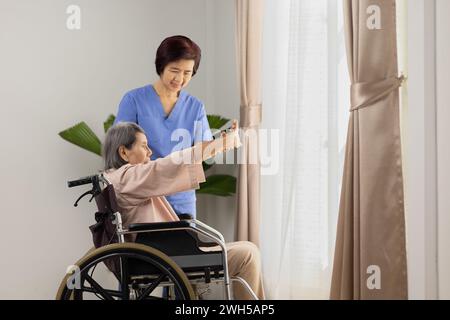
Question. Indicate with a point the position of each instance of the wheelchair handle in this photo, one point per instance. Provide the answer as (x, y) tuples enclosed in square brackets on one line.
[(95, 180), (81, 181)]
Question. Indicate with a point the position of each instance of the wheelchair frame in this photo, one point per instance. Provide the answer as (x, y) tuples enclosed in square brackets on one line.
[(196, 226)]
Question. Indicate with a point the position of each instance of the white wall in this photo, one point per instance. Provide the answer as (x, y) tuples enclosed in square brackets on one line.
[(419, 159), (443, 143), (52, 78), (426, 145)]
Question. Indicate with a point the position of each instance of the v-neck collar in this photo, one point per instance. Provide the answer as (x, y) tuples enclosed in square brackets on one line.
[(175, 108)]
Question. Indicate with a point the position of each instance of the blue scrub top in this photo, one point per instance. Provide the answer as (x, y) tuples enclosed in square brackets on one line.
[(186, 124)]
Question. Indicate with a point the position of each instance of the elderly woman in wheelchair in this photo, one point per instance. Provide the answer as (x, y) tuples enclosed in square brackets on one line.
[(151, 253)]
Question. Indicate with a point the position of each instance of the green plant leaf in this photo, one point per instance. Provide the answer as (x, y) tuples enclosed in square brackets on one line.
[(109, 122), (82, 136), (219, 185), (215, 121)]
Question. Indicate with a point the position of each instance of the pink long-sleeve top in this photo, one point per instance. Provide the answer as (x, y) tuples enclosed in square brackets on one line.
[(140, 189)]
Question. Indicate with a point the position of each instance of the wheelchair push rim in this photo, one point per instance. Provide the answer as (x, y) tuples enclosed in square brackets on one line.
[(80, 279)]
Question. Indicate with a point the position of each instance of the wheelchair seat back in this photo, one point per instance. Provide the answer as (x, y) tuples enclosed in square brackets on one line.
[(104, 230)]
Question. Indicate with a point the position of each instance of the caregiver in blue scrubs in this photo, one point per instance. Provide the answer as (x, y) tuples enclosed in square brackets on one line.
[(172, 118)]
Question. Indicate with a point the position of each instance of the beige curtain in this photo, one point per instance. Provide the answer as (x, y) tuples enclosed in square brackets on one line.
[(248, 44), (370, 254)]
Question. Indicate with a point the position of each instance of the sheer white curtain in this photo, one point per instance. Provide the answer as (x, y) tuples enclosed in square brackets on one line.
[(305, 98)]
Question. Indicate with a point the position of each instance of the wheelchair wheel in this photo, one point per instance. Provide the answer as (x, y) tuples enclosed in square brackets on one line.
[(89, 279)]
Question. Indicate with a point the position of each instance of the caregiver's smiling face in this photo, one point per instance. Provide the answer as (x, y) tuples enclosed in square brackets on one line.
[(177, 74)]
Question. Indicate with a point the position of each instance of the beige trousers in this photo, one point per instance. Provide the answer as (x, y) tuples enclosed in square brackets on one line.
[(244, 261)]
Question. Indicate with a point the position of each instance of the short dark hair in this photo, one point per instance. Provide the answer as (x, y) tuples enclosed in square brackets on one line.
[(121, 134), (176, 48)]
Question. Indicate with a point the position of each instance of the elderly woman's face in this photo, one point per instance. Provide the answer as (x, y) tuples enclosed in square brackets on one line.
[(177, 74), (139, 152)]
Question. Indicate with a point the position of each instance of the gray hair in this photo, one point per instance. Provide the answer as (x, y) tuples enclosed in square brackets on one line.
[(121, 134)]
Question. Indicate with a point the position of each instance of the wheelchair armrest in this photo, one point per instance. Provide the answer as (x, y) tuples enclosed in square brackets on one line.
[(158, 225), (171, 225)]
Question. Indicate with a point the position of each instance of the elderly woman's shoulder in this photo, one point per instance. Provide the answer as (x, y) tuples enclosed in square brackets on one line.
[(118, 175)]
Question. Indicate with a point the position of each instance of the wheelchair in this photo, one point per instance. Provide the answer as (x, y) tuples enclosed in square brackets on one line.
[(166, 261)]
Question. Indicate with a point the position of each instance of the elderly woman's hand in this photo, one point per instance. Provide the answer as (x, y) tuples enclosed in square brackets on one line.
[(234, 126), (228, 140)]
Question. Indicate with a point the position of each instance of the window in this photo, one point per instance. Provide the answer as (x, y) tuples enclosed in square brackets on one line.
[(305, 98)]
